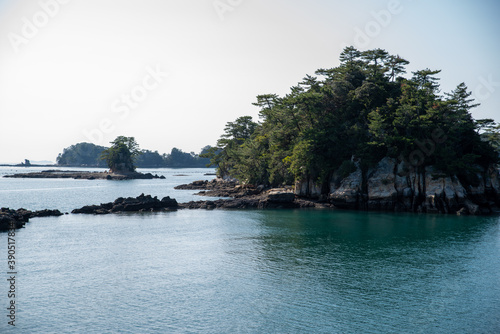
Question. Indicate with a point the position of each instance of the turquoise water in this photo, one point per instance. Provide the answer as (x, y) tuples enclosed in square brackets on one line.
[(249, 271)]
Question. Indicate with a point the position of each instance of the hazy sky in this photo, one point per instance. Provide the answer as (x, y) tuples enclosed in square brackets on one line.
[(171, 73)]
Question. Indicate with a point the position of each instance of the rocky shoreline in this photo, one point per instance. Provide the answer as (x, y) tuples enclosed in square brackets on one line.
[(384, 188), (10, 219), (394, 186), (246, 196), (65, 174), (274, 198)]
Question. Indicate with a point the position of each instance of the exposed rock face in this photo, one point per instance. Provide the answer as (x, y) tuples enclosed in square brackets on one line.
[(308, 188), (140, 204), (382, 191), (18, 218), (395, 187), (492, 185), (349, 193)]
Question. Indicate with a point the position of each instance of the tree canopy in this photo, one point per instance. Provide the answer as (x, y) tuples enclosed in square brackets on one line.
[(362, 110), (89, 155), (121, 156), (82, 154)]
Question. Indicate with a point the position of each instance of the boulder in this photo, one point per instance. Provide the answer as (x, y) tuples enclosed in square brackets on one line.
[(349, 194), (167, 202), (280, 197)]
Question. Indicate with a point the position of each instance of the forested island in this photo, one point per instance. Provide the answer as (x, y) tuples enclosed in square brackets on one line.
[(89, 155), (359, 136), (362, 136)]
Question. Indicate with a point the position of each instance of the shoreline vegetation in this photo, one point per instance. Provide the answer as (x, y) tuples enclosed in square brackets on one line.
[(362, 136)]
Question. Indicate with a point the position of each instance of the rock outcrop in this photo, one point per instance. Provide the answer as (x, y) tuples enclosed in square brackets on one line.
[(246, 196), (272, 199), (10, 219), (349, 194), (395, 187), (61, 174), (142, 203), (308, 188), (222, 188)]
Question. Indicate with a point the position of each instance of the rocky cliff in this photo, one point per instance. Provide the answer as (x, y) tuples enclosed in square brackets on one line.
[(393, 186)]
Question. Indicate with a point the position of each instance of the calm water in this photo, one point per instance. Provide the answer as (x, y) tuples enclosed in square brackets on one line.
[(245, 271)]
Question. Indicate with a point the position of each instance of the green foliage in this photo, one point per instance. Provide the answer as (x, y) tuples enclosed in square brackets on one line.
[(179, 159), (364, 109), (120, 157), (230, 149), (81, 154), (346, 168), (149, 159), (490, 133), (89, 155)]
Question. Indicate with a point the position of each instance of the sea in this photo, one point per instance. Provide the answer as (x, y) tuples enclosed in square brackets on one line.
[(239, 271)]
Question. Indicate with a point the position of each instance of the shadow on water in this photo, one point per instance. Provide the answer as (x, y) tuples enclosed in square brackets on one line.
[(377, 269)]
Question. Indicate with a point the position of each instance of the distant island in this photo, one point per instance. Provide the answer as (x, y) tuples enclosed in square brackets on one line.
[(120, 158), (84, 175), (88, 155)]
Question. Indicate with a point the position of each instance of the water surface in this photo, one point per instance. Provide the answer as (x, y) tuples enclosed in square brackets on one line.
[(272, 271)]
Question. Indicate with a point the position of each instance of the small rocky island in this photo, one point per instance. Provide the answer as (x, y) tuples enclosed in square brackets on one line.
[(143, 203), (10, 219), (120, 159), (84, 175)]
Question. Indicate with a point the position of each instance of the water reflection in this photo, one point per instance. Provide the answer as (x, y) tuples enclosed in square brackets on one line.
[(409, 268)]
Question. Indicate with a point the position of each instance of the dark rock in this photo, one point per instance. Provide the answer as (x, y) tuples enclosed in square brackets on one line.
[(280, 197), (18, 218), (88, 209), (168, 202), (142, 203), (46, 213), (62, 174), (393, 186)]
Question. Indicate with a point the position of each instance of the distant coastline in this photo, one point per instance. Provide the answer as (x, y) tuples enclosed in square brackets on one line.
[(68, 174)]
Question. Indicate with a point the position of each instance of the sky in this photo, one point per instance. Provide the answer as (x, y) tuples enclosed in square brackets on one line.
[(172, 73)]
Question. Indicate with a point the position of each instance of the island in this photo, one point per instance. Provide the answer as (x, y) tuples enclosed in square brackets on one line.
[(363, 136), (360, 136), (68, 174), (120, 159)]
